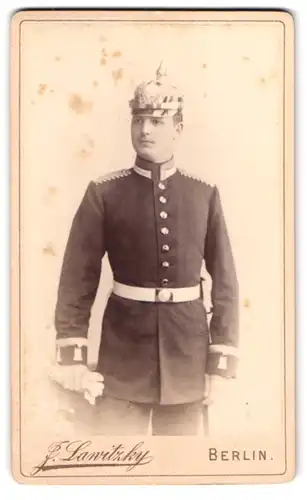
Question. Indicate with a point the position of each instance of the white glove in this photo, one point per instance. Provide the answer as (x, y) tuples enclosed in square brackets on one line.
[(78, 378)]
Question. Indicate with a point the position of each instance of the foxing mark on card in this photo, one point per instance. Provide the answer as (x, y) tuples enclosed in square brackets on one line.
[(77, 104)]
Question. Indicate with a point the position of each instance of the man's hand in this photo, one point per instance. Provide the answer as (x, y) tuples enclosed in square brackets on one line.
[(80, 379)]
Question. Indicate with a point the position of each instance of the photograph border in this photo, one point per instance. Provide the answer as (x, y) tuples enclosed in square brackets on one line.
[(160, 16)]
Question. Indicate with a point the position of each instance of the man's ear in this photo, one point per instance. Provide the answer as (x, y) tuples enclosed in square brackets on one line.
[(179, 128)]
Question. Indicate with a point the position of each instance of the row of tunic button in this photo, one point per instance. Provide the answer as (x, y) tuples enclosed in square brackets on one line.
[(165, 231)]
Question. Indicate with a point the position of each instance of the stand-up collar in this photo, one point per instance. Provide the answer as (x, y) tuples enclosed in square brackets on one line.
[(159, 171)]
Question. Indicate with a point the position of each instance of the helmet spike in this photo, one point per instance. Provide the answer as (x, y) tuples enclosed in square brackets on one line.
[(161, 71)]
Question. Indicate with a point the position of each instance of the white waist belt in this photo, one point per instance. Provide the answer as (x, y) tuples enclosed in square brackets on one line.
[(156, 294)]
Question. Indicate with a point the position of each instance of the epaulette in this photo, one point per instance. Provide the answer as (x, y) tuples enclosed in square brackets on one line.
[(110, 176), (191, 176)]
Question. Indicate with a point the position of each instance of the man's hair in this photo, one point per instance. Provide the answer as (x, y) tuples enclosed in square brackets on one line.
[(178, 117)]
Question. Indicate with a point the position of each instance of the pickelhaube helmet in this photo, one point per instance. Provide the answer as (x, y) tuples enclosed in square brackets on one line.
[(157, 98)]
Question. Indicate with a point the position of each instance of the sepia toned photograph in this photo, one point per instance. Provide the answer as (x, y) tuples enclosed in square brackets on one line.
[(153, 247)]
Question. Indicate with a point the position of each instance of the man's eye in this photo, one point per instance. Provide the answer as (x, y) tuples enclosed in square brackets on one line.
[(156, 122), (137, 119)]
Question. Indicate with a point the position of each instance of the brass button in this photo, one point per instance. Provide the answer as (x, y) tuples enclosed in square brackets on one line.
[(165, 248), (162, 199), (165, 264), (161, 185), (163, 215), (164, 230)]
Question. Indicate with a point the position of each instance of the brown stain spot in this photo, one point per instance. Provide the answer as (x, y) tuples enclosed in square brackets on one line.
[(272, 76), (205, 95), (77, 104), (103, 38), (33, 102), (52, 190), (204, 66), (84, 154), (95, 83), (104, 53), (246, 303), (51, 91), (42, 88), (228, 26), (49, 250), (247, 410), (117, 74), (116, 53), (58, 58), (246, 58), (103, 61)]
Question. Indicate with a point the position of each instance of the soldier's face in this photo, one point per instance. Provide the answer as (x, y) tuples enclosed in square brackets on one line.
[(154, 138)]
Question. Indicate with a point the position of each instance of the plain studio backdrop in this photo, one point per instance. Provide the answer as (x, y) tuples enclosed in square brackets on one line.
[(76, 81)]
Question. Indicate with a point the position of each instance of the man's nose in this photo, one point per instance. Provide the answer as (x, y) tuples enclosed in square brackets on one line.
[(146, 127)]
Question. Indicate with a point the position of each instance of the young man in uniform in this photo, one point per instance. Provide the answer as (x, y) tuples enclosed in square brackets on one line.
[(157, 224)]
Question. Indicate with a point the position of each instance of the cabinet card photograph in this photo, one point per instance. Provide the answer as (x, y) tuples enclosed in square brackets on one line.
[(152, 183)]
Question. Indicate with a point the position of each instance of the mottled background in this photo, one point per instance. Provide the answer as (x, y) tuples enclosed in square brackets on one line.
[(76, 80)]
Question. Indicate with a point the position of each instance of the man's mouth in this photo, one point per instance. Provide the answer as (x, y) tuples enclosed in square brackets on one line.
[(145, 142)]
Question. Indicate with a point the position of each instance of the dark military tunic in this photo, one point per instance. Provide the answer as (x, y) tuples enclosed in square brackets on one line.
[(156, 234)]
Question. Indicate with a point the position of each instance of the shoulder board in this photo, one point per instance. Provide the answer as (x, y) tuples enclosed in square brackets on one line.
[(191, 176), (110, 176)]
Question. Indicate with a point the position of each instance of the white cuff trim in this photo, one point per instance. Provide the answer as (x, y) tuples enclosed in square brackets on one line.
[(73, 341), (225, 350)]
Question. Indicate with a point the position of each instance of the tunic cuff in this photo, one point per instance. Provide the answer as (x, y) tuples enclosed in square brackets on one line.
[(222, 361), (71, 351)]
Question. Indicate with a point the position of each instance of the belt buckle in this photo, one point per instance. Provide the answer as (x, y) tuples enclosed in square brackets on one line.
[(164, 295)]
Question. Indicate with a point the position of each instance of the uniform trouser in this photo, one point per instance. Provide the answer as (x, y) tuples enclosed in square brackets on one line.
[(119, 417)]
